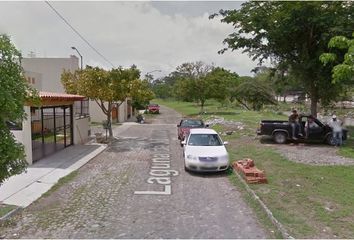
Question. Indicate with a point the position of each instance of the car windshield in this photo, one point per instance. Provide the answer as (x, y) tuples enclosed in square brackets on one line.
[(153, 105), (204, 140), (192, 123)]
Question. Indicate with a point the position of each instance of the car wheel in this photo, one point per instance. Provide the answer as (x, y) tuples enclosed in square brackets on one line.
[(280, 137), (330, 140), (185, 167)]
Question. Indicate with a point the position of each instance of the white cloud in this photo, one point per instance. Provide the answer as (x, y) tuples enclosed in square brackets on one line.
[(125, 32)]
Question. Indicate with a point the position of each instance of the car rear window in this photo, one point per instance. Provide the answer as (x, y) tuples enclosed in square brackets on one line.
[(192, 123), (204, 140)]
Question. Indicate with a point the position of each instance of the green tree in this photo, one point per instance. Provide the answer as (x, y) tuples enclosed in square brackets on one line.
[(253, 94), (141, 92), (106, 87), (193, 83), (277, 79), (14, 93), (292, 35), (343, 69), (221, 82)]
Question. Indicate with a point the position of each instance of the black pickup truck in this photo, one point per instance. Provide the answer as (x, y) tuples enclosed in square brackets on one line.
[(281, 131)]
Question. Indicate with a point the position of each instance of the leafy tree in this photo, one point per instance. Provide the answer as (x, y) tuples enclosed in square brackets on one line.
[(193, 84), (141, 92), (107, 87), (14, 93), (281, 82), (161, 89), (221, 82), (292, 35), (343, 71), (253, 94)]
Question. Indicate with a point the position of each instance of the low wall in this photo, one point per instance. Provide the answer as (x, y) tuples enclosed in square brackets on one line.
[(81, 130)]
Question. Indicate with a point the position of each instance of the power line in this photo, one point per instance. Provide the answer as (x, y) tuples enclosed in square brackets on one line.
[(86, 41)]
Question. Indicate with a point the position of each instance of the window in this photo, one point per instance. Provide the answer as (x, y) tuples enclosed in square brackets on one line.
[(204, 140), (192, 123), (14, 125), (81, 108)]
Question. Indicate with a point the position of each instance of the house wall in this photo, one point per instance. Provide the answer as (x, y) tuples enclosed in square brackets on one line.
[(97, 115), (24, 136), (81, 130), (34, 78), (50, 70)]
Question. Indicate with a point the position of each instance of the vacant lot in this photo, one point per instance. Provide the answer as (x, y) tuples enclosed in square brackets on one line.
[(311, 197)]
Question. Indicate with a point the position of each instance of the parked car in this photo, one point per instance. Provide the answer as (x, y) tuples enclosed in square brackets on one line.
[(185, 126), (204, 151), (153, 108), (281, 131)]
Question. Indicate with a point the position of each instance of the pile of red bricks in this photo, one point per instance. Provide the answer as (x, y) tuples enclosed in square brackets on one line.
[(249, 172)]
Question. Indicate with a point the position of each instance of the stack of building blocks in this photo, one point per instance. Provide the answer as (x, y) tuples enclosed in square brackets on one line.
[(249, 172)]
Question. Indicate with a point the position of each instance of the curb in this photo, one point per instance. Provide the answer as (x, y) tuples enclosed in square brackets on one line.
[(270, 215), (10, 214)]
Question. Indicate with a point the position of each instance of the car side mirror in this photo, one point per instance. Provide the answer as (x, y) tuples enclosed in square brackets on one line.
[(226, 143), (184, 142)]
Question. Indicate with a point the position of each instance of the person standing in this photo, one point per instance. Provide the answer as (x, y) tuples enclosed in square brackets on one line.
[(337, 132), (294, 123)]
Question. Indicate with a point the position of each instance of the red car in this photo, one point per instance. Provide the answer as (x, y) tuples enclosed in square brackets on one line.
[(153, 108), (186, 124)]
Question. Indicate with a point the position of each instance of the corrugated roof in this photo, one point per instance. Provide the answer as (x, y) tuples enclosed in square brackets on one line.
[(60, 96)]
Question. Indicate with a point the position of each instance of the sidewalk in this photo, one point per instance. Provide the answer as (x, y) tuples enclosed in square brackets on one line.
[(21, 190)]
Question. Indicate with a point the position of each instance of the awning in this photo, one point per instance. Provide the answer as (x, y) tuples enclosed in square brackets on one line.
[(59, 96)]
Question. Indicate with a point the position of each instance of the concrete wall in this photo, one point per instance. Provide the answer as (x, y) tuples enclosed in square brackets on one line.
[(34, 78), (24, 136), (81, 130), (50, 70), (97, 115)]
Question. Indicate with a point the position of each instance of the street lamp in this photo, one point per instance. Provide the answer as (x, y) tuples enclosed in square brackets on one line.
[(149, 76), (153, 71), (74, 48)]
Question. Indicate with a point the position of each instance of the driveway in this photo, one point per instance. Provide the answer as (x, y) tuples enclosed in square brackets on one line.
[(137, 188)]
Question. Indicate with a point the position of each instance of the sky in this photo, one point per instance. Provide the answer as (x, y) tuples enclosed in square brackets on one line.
[(154, 35)]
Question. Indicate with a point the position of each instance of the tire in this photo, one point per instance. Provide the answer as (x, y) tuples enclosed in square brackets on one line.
[(280, 137), (185, 168), (330, 140)]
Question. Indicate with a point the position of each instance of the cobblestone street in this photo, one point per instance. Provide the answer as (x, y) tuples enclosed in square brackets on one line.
[(103, 200)]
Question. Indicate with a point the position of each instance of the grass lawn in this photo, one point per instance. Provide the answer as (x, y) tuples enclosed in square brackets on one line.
[(310, 201), (5, 209)]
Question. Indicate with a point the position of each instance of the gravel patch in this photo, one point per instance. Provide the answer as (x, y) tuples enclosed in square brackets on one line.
[(313, 154), (228, 125)]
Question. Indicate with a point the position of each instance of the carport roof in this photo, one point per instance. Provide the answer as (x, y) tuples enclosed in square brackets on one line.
[(51, 96)]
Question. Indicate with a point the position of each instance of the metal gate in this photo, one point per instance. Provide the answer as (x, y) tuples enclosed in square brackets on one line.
[(52, 130)]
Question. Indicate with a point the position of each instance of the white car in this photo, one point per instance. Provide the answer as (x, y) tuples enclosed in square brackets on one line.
[(204, 151)]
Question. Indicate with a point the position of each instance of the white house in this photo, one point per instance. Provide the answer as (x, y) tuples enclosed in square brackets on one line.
[(51, 127), (62, 119), (120, 113), (45, 74)]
